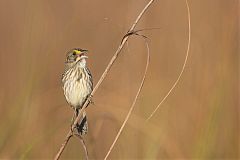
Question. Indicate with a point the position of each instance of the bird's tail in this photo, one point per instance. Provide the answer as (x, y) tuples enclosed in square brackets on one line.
[(83, 125)]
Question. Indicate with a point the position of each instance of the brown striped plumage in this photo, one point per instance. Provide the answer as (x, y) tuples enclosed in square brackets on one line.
[(77, 83)]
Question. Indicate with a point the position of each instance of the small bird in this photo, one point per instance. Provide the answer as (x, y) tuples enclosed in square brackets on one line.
[(77, 84)]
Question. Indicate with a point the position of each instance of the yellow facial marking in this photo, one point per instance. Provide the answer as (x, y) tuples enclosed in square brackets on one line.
[(77, 51)]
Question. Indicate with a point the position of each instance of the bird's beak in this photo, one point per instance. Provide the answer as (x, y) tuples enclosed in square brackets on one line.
[(83, 54)]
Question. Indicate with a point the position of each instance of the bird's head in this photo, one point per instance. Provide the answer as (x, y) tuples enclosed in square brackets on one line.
[(75, 56)]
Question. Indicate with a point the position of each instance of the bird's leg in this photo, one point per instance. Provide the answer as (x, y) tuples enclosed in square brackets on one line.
[(75, 114), (72, 121), (73, 118)]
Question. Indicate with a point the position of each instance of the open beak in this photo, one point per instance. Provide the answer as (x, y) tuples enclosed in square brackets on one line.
[(83, 54)]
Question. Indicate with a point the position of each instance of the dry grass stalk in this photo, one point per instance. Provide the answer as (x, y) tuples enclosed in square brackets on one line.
[(133, 104), (184, 64), (174, 85), (84, 145)]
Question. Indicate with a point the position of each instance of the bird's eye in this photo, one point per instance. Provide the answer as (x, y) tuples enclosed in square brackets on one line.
[(74, 53)]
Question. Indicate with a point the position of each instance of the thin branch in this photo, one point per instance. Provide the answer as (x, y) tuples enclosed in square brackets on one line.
[(83, 144), (133, 104), (184, 64), (69, 134), (63, 146)]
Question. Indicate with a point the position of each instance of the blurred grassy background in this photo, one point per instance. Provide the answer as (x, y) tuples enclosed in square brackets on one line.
[(199, 120)]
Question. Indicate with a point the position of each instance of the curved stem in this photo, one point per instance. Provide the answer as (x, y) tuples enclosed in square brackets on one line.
[(183, 68), (132, 106)]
